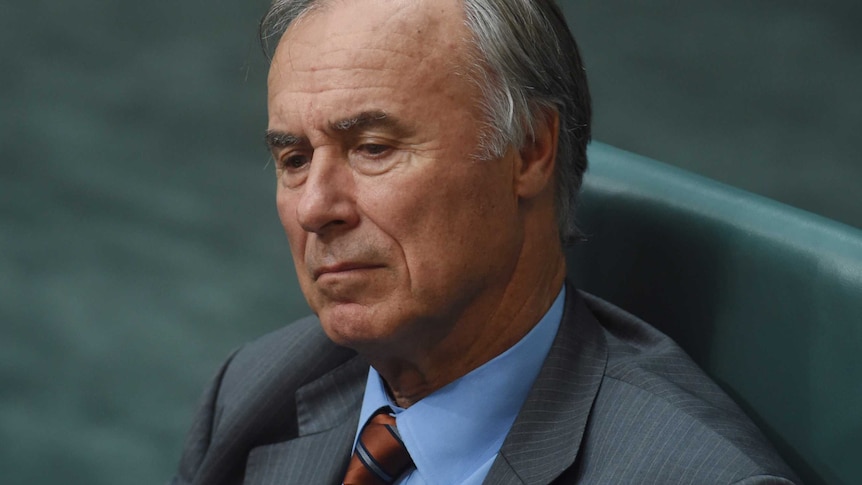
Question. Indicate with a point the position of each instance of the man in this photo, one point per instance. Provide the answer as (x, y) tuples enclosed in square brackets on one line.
[(428, 153)]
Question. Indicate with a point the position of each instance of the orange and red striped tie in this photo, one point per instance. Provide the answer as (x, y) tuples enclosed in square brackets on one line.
[(380, 456)]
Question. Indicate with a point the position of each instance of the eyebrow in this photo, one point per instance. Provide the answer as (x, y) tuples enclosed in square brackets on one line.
[(368, 120), (280, 139), (364, 120), (352, 124)]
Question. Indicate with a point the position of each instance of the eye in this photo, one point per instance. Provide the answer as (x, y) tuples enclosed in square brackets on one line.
[(374, 158), (292, 169), (293, 162), (373, 149)]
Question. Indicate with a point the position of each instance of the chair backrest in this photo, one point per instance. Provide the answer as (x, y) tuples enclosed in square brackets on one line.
[(765, 297)]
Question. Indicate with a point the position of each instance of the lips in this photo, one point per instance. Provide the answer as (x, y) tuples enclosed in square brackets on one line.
[(342, 268)]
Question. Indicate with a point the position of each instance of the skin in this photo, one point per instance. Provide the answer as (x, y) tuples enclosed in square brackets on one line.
[(425, 260)]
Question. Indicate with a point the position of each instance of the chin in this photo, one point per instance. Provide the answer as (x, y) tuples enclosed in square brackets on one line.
[(354, 326)]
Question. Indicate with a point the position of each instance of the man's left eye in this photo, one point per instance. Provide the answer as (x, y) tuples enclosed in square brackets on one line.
[(374, 158), (373, 149)]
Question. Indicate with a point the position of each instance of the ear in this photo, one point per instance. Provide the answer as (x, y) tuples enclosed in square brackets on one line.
[(537, 157)]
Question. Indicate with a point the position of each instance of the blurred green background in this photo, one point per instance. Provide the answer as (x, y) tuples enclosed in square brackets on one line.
[(139, 242)]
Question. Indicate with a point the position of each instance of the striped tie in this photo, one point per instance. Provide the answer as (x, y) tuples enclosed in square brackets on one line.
[(380, 456)]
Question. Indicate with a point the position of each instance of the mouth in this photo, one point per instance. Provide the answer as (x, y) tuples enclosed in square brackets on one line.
[(342, 269)]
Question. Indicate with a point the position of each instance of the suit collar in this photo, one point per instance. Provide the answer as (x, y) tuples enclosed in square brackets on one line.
[(327, 417), (545, 439)]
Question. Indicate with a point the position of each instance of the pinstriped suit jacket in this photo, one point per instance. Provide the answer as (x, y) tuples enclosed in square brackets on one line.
[(616, 402)]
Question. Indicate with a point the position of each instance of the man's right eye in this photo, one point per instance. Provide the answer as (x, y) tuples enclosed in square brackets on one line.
[(292, 169), (293, 162)]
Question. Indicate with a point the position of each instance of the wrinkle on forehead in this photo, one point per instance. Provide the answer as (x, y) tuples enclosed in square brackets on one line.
[(360, 55), (380, 31)]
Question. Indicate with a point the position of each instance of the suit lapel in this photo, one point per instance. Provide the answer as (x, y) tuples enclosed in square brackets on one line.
[(546, 436), (327, 415), (544, 440)]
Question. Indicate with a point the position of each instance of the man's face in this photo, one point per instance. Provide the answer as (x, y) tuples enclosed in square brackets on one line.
[(397, 232)]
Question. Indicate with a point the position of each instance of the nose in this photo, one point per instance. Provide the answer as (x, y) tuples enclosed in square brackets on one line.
[(327, 199)]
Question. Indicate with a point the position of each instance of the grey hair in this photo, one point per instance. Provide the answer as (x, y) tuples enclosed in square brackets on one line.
[(527, 65)]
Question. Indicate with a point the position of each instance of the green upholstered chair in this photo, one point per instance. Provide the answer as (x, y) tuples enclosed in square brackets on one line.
[(765, 297)]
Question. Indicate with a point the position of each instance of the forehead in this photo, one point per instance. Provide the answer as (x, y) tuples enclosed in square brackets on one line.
[(415, 25), (348, 42)]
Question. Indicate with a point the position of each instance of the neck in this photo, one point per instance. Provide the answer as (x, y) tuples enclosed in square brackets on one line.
[(483, 331)]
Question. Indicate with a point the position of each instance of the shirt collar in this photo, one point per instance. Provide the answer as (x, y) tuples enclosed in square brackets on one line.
[(459, 427)]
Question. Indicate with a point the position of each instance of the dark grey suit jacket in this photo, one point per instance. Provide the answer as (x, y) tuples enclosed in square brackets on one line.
[(616, 402)]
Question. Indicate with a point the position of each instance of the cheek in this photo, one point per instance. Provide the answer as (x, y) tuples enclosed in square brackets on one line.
[(439, 224)]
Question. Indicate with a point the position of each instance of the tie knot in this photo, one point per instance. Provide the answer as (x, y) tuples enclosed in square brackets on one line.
[(380, 456)]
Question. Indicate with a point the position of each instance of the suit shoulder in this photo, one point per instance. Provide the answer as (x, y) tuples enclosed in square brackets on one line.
[(662, 438), (666, 411), (642, 356), (252, 401), (293, 337), (298, 352), (259, 382), (256, 395)]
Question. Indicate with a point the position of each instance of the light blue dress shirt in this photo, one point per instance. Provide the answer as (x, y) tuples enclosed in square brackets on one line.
[(454, 434)]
